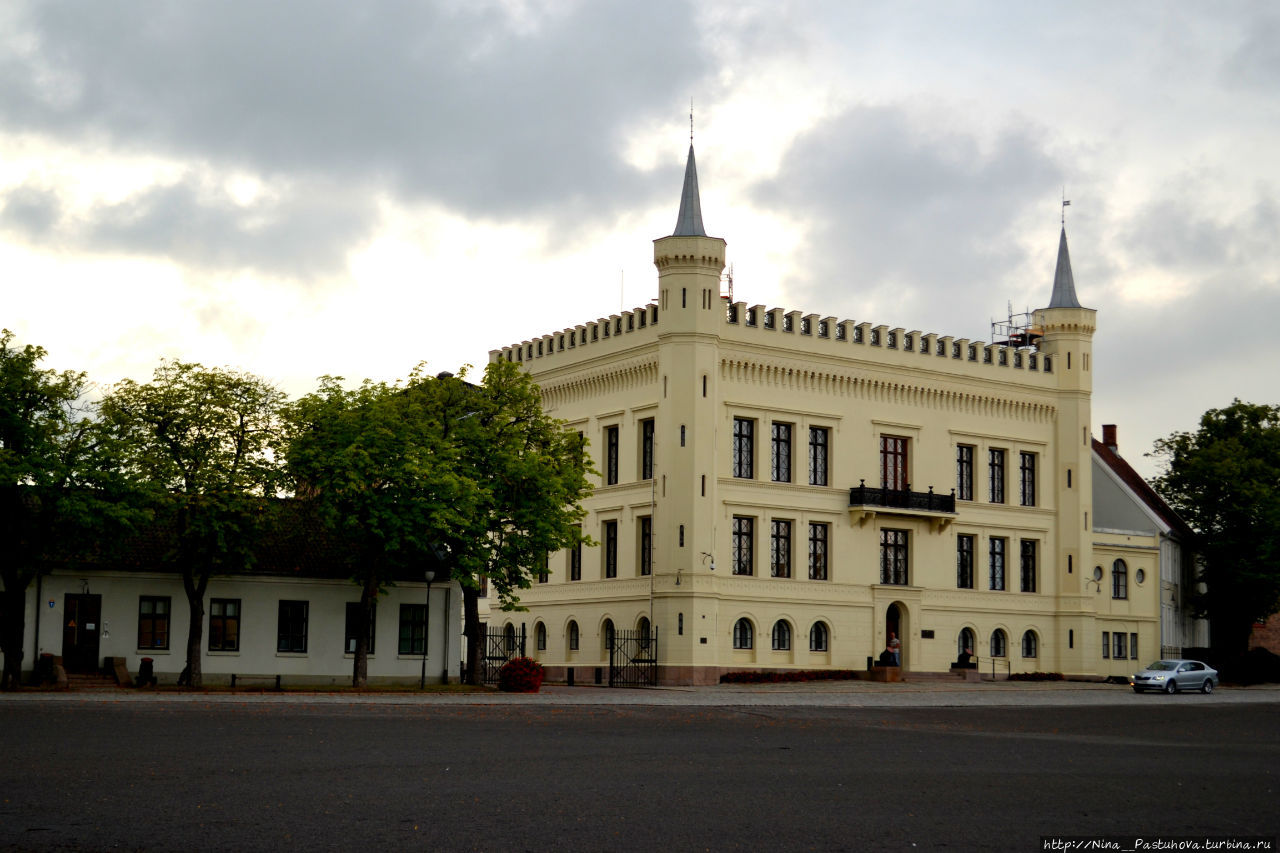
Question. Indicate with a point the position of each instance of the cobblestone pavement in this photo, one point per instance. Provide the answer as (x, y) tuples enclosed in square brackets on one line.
[(850, 694)]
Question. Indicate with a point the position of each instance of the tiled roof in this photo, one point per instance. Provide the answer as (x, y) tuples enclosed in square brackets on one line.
[(1142, 489)]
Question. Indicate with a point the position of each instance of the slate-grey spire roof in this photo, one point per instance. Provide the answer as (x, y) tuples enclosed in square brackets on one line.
[(689, 222), (1064, 284)]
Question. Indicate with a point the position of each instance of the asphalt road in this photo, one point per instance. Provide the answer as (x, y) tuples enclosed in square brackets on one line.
[(264, 776)]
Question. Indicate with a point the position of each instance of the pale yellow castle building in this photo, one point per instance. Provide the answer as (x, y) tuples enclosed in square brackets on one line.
[(783, 490)]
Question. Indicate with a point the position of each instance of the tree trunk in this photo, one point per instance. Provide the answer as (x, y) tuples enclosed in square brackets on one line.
[(195, 589), (471, 629), (13, 628), (360, 665)]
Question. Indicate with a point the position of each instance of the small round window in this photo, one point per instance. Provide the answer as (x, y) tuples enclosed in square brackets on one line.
[(1140, 576)]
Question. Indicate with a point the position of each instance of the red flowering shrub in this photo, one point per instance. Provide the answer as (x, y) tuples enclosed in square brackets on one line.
[(520, 675), (781, 675), (1036, 676)]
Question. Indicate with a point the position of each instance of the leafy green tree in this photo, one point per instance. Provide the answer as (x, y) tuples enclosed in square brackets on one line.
[(1224, 480), (59, 487), (376, 468), (201, 441), (531, 475)]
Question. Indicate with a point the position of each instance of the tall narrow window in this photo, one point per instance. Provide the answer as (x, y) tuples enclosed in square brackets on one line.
[(819, 440), (646, 449), (1120, 652), (646, 544), (781, 457), (743, 554), (893, 462), (1106, 644), (544, 568), (819, 534), (893, 557), (743, 634), (611, 455), (743, 448), (964, 472), (610, 533), (781, 636), (291, 634), (224, 625), (1133, 647), (352, 629), (999, 643), (575, 560), (818, 637), (413, 629), (1119, 579), (1030, 644), (573, 636), (964, 561), (995, 466), (997, 562), (153, 622), (1027, 478), (780, 548), (1028, 565)]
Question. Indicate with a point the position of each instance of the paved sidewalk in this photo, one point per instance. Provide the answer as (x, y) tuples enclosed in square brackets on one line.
[(828, 694)]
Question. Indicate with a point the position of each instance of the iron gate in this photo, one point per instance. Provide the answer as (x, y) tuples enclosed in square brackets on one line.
[(633, 659), (501, 645)]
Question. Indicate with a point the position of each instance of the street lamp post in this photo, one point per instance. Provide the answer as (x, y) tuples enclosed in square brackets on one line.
[(426, 631)]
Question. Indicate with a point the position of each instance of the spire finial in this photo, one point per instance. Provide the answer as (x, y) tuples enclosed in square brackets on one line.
[(691, 121), (1066, 202)]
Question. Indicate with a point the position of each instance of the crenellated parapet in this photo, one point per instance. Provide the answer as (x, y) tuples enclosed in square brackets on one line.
[(583, 336), (797, 331)]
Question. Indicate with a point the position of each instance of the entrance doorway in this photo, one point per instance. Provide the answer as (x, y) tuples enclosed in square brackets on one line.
[(81, 630), (893, 631)]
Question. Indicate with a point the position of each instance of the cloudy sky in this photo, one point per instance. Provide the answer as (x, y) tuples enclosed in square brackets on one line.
[(297, 189)]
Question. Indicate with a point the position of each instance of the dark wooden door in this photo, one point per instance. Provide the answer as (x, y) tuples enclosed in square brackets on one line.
[(81, 630)]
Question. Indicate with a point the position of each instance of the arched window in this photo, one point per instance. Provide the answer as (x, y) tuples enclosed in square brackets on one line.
[(1030, 645), (540, 636), (999, 643), (608, 634), (509, 638), (781, 636), (818, 637), (743, 636), (965, 642), (644, 631), (1119, 580), (573, 636)]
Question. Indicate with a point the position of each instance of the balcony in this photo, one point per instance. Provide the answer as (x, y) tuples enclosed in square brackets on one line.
[(865, 502)]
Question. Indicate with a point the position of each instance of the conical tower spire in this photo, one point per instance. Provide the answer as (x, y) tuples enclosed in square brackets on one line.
[(1064, 283), (689, 222)]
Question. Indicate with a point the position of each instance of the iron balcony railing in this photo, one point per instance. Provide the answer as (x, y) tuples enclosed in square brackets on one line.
[(868, 496)]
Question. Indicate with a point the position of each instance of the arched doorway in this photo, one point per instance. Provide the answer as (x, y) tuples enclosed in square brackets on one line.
[(894, 633)]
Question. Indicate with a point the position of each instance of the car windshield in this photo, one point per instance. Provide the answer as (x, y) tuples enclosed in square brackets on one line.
[(1162, 665)]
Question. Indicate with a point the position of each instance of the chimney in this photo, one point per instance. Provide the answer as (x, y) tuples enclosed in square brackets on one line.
[(1109, 436)]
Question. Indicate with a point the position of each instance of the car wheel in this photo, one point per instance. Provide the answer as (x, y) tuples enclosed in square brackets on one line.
[(1170, 686), (1138, 690), (1207, 687)]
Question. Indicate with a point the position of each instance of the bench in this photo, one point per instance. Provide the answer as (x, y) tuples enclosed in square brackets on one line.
[(272, 679)]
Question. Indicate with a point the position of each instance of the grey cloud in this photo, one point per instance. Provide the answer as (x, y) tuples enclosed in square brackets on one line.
[(1255, 64), (302, 232), (30, 210), (1190, 237), (453, 105), (916, 222)]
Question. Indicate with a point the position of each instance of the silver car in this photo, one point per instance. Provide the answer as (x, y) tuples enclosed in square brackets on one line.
[(1171, 676)]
